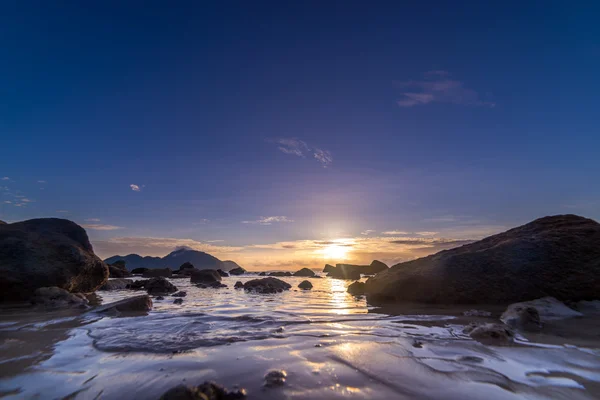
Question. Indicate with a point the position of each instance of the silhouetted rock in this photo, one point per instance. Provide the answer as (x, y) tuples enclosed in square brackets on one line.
[(154, 273), (205, 276), (262, 274), (118, 270), (54, 297), (557, 256), (47, 252), (186, 265), (141, 303), (228, 265), (356, 288), (266, 285), (199, 259), (159, 286), (238, 285), (491, 334), (116, 284), (178, 301), (281, 273), (345, 271), (179, 294), (375, 267), (237, 271), (139, 271), (222, 273), (328, 268), (305, 285), (205, 391), (138, 285), (305, 272)]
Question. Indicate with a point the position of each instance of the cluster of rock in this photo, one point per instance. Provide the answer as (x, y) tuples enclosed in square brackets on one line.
[(264, 285), (354, 272)]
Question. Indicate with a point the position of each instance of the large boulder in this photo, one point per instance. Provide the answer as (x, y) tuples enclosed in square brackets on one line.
[(328, 268), (159, 286), (266, 285), (206, 276), (156, 272), (305, 285), (47, 252), (356, 288), (118, 270), (237, 271), (306, 272), (140, 303), (116, 284), (555, 256)]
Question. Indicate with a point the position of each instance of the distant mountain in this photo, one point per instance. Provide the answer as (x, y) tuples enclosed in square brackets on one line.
[(173, 260)]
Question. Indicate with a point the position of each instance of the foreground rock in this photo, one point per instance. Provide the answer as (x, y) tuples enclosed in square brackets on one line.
[(206, 276), (205, 391), (356, 288), (305, 272), (116, 284), (154, 273), (530, 315), (305, 285), (491, 334), (118, 270), (47, 252), (237, 271), (54, 297), (159, 286), (141, 303), (266, 285), (557, 256)]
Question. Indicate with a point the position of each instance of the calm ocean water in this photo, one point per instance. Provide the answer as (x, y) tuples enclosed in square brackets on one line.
[(332, 345)]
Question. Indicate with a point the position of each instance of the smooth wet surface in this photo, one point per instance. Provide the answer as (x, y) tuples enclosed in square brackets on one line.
[(332, 345)]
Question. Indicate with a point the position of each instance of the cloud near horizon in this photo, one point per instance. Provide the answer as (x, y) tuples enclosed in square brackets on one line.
[(269, 220), (300, 148), (101, 227), (438, 87)]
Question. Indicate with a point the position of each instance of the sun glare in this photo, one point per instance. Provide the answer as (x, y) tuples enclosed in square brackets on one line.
[(335, 251)]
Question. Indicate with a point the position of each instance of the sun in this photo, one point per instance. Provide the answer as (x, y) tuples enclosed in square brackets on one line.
[(334, 251)]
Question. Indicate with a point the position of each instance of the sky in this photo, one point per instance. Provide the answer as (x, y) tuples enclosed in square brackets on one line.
[(288, 134)]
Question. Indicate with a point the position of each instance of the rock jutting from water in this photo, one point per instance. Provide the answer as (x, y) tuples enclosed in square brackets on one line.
[(159, 286), (266, 285), (305, 272), (141, 303), (205, 276), (237, 271), (356, 288), (557, 256), (47, 252), (491, 334), (305, 285)]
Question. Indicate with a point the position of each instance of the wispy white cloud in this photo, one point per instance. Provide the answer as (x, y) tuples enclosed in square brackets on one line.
[(41, 181), (93, 220), (426, 233), (438, 87), (269, 220), (8, 202), (302, 149), (101, 227), (367, 232), (26, 200), (135, 188), (394, 233), (215, 241), (6, 178)]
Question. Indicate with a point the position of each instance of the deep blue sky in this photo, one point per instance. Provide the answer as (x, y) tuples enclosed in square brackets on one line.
[(451, 117)]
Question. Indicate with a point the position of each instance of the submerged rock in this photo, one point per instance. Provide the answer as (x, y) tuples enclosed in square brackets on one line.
[(557, 256), (116, 284), (159, 286), (305, 285), (275, 378), (47, 252), (356, 288), (179, 294), (205, 391), (267, 285), (305, 272), (55, 297), (139, 271), (206, 276), (158, 272), (529, 315), (237, 271), (491, 334), (141, 303)]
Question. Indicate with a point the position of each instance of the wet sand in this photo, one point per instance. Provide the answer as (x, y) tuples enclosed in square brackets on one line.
[(331, 344)]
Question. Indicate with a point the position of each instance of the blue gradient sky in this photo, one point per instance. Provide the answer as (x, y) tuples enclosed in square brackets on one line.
[(459, 118)]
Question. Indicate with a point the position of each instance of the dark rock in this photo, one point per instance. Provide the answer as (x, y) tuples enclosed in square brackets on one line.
[(212, 285), (141, 303), (3, 223), (306, 285), (118, 270), (54, 297), (491, 334), (47, 252), (159, 286), (356, 288), (94, 299), (238, 285), (266, 285), (376, 267), (522, 317), (116, 284), (275, 378), (179, 294), (237, 271), (305, 272), (186, 265), (139, 271), (199, 259), (205, 391), (159, 298), (262, 274), (206, 276), (222, 273), (328, 268), (138, 285), (154, 273), (345, 271), (281, 273), (178, 301), (557, 256)]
